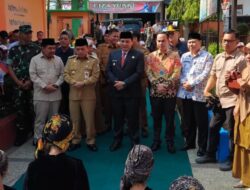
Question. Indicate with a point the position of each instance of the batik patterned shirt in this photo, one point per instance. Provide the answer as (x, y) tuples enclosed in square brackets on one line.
[(163, 68), (195, 71)]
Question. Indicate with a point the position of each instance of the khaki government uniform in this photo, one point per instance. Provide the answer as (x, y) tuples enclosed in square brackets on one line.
[(222, 64), (99, 117), (84, 98), (144, 83), (103, 52)]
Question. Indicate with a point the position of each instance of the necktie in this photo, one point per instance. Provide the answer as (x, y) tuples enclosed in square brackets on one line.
[(123, 58)]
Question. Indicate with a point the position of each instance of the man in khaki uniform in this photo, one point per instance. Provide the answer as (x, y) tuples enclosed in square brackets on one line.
[(231, 60), (143, 112), (103, 55), (82, 73)]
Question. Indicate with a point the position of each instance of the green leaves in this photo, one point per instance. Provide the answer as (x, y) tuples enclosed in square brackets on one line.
[(184, 10)]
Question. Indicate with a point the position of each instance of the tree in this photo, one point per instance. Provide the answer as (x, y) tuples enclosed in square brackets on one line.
[(184, 10)]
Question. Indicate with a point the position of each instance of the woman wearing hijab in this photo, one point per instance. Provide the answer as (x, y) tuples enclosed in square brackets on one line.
[(138, 167), (53, 169), (186, 183), (3, 170), (241, 167)]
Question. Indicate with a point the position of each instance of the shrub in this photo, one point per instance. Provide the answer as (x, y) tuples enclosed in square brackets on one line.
[(212, 48), (243, 29)]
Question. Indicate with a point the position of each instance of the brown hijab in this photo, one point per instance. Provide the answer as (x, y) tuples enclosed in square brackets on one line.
[(243, 101)]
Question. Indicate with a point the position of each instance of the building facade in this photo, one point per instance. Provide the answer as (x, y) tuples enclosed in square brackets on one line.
[(72, 13)]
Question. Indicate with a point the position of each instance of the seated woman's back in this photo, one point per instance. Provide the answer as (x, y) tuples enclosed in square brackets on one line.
[(56, 172)]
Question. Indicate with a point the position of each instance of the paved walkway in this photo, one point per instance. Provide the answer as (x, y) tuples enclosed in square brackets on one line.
[(208, 174)]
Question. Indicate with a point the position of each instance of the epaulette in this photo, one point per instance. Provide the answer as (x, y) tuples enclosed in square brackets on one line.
[(93, 57), (72, 56)]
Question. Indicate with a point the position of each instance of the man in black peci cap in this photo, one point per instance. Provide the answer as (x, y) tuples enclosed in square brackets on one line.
[(81, 73), (18, 61), (124, 70), (46, 72), (196, 66)]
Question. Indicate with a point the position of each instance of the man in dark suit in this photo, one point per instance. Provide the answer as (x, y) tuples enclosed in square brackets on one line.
[(124, 70)]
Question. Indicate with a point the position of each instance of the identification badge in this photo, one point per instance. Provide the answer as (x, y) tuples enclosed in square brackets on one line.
[(114, 62), (86, 74)]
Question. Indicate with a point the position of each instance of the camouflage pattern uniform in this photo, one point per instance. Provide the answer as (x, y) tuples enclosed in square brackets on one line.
[(19, 59)]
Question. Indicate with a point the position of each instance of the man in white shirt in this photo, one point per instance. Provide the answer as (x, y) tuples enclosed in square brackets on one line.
[(157, 27), (46, 73)]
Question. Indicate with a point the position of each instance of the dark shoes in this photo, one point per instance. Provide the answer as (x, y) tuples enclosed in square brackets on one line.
[(20, 140), (206, 159), (187, 147), (226, 166), (73, 147), (92, 147), (34, 142), (115, 145), (125, 132), (155, 146), (144, 133), (201, 152), (170, 147), (108, 128)]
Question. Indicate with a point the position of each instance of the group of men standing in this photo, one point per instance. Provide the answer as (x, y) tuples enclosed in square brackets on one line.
[(120, 74)]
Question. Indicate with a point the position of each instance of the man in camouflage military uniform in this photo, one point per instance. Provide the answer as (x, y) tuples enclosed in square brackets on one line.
[(143, 112), (81, 73), (18, 62), (103, 55)]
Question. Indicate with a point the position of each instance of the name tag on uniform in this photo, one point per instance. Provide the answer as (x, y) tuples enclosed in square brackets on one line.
[(86, 74)]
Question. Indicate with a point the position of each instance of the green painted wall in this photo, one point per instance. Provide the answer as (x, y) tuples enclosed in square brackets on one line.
[(77, 5), (76, 23)]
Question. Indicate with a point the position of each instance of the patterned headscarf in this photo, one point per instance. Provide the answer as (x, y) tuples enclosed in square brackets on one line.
[(186, 183), (58, 131), (138, 166)]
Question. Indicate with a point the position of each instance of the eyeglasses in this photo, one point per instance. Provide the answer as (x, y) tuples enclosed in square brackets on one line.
[(228, 41)]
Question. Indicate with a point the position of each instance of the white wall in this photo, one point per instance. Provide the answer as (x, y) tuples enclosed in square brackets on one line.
[(246, 7)]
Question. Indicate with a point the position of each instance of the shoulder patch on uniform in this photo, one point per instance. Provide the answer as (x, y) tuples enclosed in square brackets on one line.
[(72, 56), (93, 57)]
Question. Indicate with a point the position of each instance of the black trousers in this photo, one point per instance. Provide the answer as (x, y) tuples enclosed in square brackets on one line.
[(64, 106), (220, 116), (163, 107), (195, 115), (126, 108)]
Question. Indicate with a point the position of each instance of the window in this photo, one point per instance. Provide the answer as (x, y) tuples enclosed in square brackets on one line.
[(59, 4)]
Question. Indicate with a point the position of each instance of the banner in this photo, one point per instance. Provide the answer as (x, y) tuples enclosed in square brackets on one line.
[(15, 13), (207, 9), (124, 7)]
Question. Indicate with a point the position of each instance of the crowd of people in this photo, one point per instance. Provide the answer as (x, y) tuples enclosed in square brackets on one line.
[(102, 87)]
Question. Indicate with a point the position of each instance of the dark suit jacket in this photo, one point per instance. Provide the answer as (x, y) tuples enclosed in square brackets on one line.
[(130, 73)]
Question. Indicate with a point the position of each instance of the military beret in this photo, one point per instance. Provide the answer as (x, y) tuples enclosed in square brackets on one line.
[(81, 42), (3, 34), (25, 29)]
